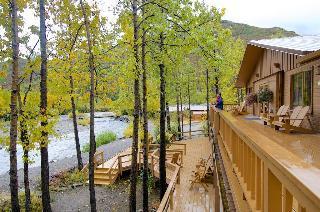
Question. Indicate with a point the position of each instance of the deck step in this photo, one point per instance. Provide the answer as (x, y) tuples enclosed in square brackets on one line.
[(102, 182), (113, 172)]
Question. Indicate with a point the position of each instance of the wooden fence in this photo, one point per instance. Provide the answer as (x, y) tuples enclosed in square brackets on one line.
[(266, 184)]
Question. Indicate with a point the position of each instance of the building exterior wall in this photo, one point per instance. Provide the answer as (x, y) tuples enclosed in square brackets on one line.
[(265, 73), (315, 107)]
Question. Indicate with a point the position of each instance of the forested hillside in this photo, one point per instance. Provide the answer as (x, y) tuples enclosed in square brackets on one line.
[(247, 32)]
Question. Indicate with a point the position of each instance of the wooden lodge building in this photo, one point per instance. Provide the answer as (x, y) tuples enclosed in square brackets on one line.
[(290, 68)]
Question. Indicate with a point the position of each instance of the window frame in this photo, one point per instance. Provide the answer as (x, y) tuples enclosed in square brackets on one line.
[(311, 87)]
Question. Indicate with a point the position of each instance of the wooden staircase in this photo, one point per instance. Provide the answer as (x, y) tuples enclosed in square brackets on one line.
[(105, 176)]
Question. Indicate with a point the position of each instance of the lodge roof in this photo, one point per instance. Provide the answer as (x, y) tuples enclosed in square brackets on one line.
[(299, 45)]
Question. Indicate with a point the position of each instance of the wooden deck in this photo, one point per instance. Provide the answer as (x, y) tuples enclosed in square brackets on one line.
[(273, 170), (195, 199), (305, 146)]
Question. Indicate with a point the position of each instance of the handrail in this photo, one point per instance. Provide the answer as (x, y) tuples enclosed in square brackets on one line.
[(265, 171), (168, 196), (167, 199), (85, 168)]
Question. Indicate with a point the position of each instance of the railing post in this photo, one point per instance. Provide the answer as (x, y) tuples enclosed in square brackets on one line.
[(171, 200), (286, 200), (273, 192), (258, 182), (120, 164), (152, 167)]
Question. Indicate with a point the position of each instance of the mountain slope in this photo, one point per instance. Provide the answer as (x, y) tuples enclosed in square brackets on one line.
[(247, 32)]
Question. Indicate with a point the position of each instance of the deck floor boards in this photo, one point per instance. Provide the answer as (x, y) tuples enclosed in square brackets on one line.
[(195, 199)]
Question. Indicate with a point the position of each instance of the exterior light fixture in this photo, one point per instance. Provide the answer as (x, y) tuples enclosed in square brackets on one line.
[(277, 65)]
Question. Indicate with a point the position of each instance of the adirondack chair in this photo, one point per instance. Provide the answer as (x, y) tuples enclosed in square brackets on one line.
[(282, 112), (294, 122), (240, 110), (203, 169)]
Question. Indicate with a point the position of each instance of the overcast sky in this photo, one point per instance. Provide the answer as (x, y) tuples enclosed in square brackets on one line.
[(301, 16)]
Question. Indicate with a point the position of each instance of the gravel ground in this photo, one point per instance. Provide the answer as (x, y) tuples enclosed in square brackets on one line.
[(110, 150), (109, 198)]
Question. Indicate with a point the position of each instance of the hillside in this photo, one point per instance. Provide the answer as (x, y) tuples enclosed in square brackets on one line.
[(247, 32)]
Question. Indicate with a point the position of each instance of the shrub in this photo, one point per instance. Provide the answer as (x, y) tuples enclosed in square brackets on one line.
[(84, 122), (103, 138), (265, 95), (70, 115), (36, 203), (251, 99), (66, 178), (128, 132)]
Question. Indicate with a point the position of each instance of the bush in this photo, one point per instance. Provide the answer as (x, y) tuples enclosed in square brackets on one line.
[(251, 99), (66, 178), (265, 95), (128, 132), (36, 202), (84, 122), (103, 138)]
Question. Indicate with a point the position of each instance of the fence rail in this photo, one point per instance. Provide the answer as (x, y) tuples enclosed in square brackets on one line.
[(266, 183)]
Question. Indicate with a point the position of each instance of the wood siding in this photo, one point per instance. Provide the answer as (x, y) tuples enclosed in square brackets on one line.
[(266, 74)]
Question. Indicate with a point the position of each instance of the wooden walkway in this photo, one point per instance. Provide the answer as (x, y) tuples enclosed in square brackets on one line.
[(195, 199)]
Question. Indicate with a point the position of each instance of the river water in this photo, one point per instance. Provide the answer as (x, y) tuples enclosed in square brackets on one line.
[(64, 145)]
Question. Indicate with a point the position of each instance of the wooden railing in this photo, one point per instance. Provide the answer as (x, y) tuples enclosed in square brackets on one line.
[(98, 159), (167, 200), (271, 178)]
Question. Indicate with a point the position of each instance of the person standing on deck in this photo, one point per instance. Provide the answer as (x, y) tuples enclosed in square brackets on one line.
[(219, 102)]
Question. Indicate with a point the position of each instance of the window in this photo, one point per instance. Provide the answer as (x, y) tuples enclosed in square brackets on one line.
[(301, 89)]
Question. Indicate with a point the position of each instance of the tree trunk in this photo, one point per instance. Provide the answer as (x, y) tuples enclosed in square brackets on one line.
[(13, 107), (181, 112), (25, 145), (145, 119), (178, 115), (75, 125), (136, 113), (43, 111), (207, 98), (216, 84), (189, 101), (162, 160), (92, 89), (168, 117)]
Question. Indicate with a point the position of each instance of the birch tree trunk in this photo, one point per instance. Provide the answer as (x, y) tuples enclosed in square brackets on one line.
[(162, 160), (92, 89), (13, 108), (43, 111), (145, 118), (135, 136)]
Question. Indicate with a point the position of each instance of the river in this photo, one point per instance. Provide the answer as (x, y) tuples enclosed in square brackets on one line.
[(64, 146)]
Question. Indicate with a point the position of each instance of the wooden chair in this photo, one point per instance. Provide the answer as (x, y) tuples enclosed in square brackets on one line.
[(203, 170), (240, 110), (294, 122), (282, 112), (176, 159)]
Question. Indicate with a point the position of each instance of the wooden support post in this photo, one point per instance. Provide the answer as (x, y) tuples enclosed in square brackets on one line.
[(120, 164), (287, 200), (152, 167), (171, 200), (301, 209), (274, 193), (253, 171), (265, 188), (258, 183)]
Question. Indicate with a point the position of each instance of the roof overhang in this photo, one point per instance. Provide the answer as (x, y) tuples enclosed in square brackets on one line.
[(250, 59), (281, 49), (309, 57)]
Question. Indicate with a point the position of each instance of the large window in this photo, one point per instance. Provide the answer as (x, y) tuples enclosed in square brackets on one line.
[(301, 88)]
